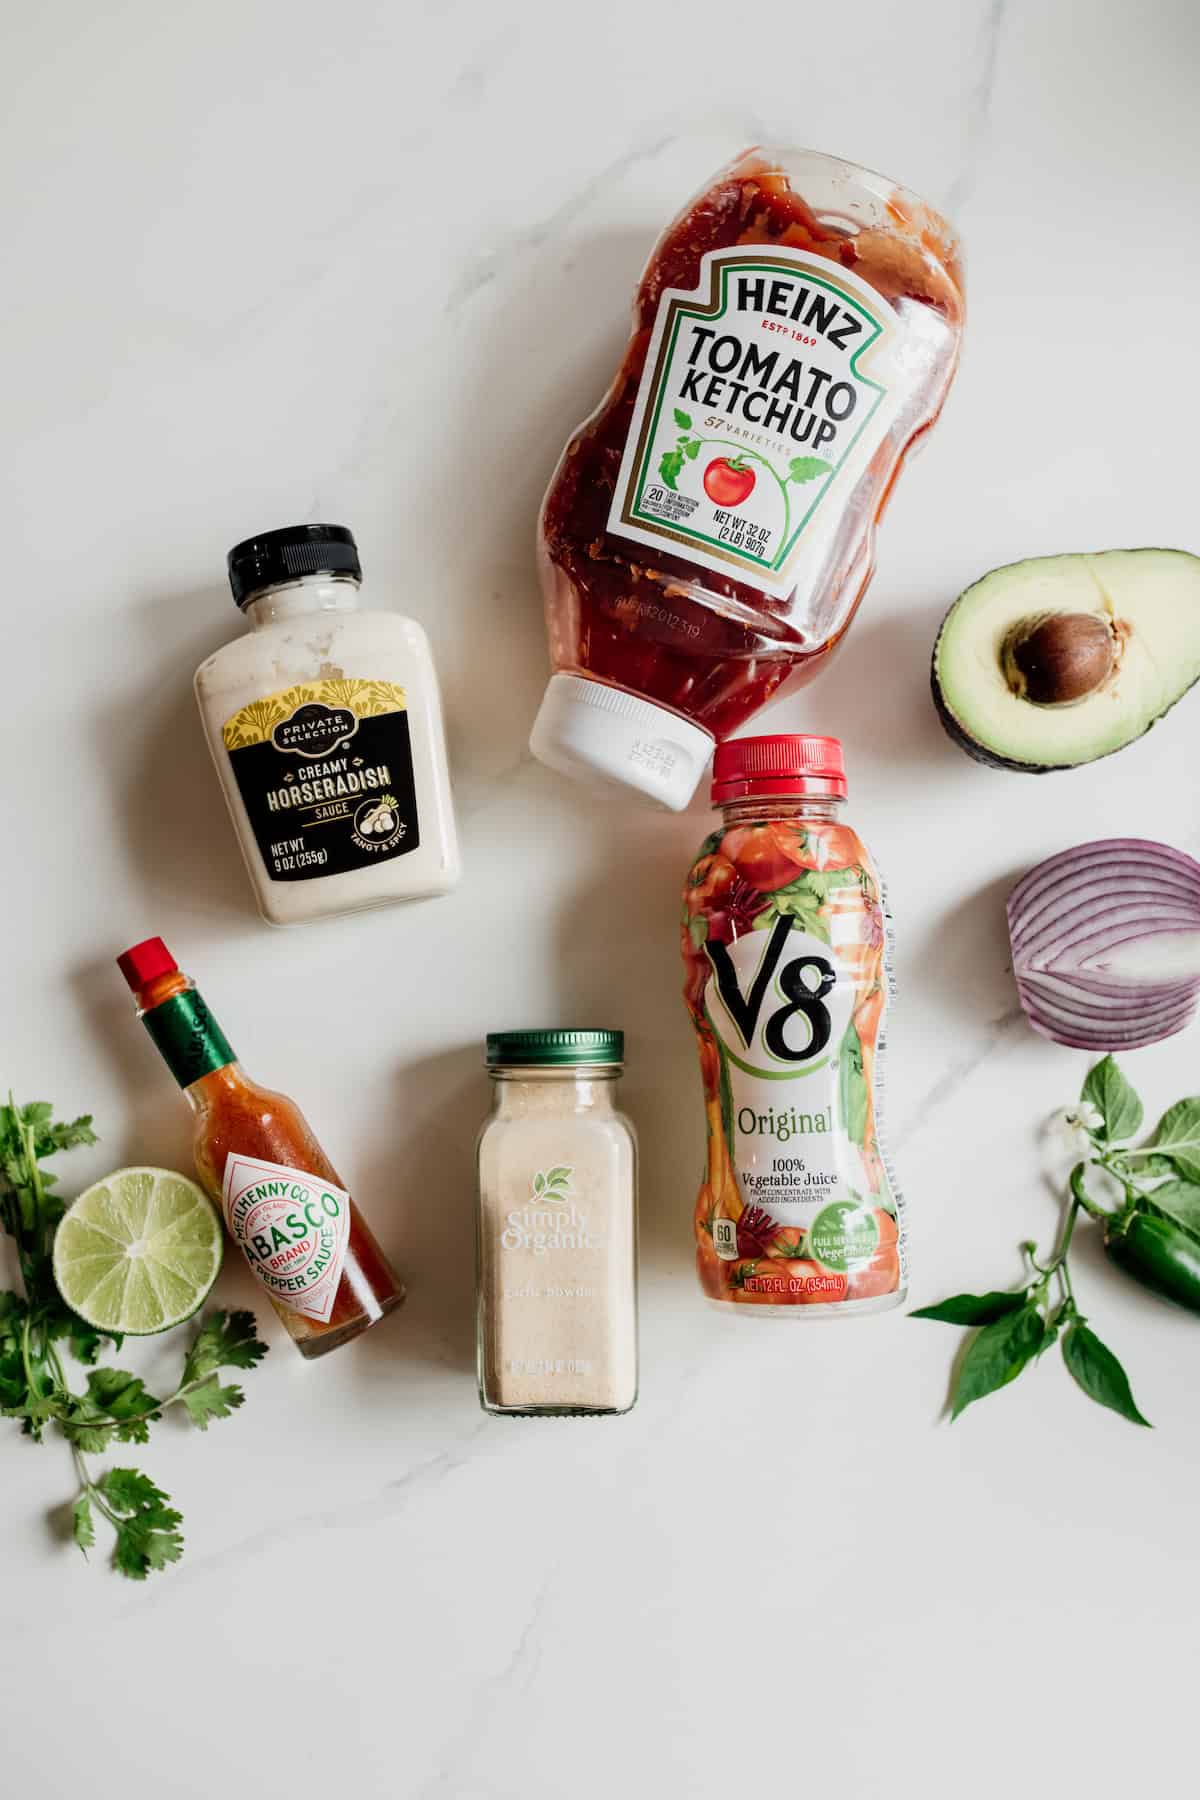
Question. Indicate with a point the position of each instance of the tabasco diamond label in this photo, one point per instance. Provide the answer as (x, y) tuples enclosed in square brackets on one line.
[(292, 1228), (765, 393)]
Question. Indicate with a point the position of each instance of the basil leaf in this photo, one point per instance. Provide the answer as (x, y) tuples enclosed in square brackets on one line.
[(1145, 1168), (1099, 1374), (1117, 1103), (972, 1309), (1178, 1136), (996, 1355)]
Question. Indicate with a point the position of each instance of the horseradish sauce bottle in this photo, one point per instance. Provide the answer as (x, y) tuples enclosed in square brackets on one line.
[(325, 725), (785, 941)]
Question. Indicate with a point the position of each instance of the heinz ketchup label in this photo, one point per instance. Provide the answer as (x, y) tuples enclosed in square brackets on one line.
[(765, 391)]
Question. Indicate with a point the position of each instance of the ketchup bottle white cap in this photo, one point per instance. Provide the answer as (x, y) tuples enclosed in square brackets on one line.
[(589, 730)]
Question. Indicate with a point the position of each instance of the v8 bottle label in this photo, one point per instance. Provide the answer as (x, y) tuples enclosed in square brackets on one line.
[(292, 1228), (781, 1016)]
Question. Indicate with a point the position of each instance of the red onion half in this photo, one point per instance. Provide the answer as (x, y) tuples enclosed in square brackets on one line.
[(1106, 943)]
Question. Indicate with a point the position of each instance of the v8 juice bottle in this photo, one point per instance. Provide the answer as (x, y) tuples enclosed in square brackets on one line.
[(710, 530), (785, 943)]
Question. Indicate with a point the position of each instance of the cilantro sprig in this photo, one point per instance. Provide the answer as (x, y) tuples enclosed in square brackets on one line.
[(114, 1406)]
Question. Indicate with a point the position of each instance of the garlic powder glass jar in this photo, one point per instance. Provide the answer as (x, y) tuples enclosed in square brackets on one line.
[(325, 725), (557, 1228)]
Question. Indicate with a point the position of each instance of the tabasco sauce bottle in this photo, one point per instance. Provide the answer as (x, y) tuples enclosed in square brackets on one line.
[(283, 1202)]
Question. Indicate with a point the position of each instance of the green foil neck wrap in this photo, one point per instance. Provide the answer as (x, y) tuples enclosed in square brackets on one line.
[(187, 1037)]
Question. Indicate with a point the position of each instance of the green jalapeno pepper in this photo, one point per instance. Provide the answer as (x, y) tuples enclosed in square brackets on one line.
[(1159, 1254)]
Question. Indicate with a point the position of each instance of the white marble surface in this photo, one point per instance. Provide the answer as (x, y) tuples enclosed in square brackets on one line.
[(371, 262)]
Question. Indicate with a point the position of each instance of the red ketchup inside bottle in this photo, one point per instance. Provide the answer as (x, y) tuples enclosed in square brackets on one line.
[(709, 531)]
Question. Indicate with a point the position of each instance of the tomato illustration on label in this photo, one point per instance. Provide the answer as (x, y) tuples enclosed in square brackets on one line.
[(728, 481)]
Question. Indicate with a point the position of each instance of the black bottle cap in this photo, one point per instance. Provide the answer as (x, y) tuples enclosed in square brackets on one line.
[(287, 555)]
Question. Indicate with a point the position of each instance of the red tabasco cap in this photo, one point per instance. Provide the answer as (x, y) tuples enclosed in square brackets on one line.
[(744, 768), (144, 961)]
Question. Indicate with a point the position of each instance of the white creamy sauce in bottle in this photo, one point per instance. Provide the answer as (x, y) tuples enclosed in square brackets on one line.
[(325, 726)]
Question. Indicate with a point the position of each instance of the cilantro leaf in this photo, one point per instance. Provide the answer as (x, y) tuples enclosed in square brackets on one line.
[(13, 1387), (119, 1395), (212, 1401), (147, 1544), (225, 1340), (128, 1489), (148, 1535), (85, 1340), (13, 1312), (84, 1529)]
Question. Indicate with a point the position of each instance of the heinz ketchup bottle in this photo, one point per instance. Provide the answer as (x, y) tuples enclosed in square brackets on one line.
[(710, 530)]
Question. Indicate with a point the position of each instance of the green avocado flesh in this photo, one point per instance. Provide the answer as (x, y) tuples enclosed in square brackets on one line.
[(1150, 602)]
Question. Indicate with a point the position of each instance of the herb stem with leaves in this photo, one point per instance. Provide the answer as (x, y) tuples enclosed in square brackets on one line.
[(1151, 1234), (115, 1406)]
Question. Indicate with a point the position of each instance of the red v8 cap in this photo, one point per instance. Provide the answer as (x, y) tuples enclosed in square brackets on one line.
[(778, 766)]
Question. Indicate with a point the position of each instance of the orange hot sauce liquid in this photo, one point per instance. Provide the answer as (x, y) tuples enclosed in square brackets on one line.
[(235, 1113)]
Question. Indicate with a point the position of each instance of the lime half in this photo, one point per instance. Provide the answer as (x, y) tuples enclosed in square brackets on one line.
[(138, 1252)]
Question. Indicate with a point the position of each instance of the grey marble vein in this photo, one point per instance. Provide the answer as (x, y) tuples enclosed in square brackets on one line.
[(948, 1084), (531, 237), (517, 1673), (979, 108)]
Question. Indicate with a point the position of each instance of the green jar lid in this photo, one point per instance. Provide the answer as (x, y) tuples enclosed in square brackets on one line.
[(553, 1048)]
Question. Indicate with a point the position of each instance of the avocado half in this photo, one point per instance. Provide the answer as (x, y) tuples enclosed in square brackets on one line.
[(1053, 662)]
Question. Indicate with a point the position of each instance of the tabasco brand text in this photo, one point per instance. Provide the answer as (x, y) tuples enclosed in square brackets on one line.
[(292, 1228), (764, 393)]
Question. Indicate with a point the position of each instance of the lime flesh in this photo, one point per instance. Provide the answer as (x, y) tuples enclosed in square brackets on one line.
[(138, 1252)]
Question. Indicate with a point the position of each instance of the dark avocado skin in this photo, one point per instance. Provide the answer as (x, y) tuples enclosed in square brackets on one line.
[(978, 752), (974, 749)]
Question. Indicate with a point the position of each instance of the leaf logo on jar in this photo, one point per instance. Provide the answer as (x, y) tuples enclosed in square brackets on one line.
[(776, 1002), (550, 1219)]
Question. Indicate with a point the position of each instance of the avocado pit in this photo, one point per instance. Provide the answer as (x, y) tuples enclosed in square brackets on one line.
[(1058, 658)]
